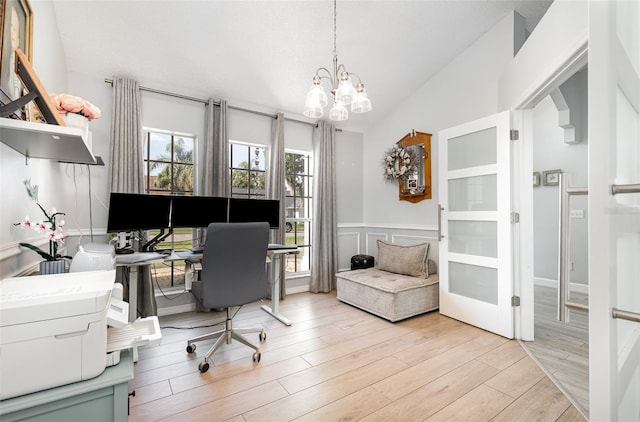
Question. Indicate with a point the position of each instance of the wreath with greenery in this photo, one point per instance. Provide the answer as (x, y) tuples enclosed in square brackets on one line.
[(399, 163)]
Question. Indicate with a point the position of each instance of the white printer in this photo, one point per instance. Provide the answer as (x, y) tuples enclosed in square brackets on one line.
[(53, 330)]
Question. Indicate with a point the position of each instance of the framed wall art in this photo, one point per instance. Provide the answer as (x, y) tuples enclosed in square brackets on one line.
[(17, 32), (551, 177)]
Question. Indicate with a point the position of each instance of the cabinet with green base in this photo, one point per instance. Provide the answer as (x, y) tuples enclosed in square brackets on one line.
[(103, 398)]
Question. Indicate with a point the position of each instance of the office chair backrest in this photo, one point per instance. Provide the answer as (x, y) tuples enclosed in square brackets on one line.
[(234, 264)]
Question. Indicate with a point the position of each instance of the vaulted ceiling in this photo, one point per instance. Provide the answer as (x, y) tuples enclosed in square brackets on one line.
[(263, 54)]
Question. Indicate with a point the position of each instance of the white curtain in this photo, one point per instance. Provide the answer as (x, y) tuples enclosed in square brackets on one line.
[(275, 188), (125, 171), (324, 255)]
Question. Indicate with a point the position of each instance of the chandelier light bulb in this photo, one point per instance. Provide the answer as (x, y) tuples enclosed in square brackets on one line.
[(338, 112), (317, 95), (361, 102), (346, 91), (313, 111)]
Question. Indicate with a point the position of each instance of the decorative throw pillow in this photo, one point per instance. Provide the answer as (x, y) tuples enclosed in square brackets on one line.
[(401, 259), (432, 267)]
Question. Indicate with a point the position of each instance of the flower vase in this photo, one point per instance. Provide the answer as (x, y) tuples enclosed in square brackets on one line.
[(52, 267)]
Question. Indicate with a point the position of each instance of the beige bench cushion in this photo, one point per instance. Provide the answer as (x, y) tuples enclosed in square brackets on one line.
[(389, 295)]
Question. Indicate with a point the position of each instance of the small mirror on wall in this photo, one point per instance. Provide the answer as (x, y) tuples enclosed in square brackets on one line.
[(417, 185)]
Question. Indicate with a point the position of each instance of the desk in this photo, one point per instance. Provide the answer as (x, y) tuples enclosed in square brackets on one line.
[(276, 253), (133, 262)]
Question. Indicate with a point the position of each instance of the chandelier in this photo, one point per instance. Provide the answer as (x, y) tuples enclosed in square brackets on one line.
[(342, 89)]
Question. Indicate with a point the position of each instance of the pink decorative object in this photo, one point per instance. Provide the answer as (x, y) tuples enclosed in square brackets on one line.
[(66, 103)]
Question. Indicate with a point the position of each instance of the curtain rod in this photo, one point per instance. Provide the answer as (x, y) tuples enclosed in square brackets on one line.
[(201, 100)]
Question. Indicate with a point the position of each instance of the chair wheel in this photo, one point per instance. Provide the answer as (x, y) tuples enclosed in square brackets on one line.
[(203, 367), (256, 356), (263, 336), (191, 348)]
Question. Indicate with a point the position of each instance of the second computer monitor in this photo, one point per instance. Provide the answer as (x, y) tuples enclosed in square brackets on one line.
[(198, 211), (242, 210)]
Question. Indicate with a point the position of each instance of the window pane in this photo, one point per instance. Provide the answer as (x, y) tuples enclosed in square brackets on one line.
[(478, 193), (239, 156), (472, 150), (160, 177), (182, 178), (474, 237), (159, 146), (257, 158), (473, 281), (183, 150)]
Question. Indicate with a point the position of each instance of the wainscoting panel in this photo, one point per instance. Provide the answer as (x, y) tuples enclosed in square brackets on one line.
[(371, 246), (348, 245)]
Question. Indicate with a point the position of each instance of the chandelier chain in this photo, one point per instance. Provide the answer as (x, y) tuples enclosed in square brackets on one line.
[(335, 47)]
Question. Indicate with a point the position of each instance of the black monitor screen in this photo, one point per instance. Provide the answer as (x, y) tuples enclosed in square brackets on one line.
[(135, 211), (198, 211), (242, 210)]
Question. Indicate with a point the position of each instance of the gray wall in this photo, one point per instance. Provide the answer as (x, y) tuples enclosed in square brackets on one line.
[(550, 152)]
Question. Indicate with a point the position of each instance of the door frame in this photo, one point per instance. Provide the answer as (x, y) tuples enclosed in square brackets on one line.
[(521, 98)]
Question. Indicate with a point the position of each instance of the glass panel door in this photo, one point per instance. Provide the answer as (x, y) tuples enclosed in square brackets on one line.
[(475, 250)]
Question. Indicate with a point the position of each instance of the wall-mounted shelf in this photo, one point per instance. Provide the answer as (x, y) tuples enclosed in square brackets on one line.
[(40, 140)]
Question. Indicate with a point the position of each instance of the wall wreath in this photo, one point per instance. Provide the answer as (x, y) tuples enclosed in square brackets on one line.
[(399, 163)]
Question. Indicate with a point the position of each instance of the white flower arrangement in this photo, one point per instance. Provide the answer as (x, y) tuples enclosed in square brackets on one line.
[(399, 163)]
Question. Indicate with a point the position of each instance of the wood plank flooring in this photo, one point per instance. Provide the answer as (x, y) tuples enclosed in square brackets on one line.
[(562, 348), (338, 363)]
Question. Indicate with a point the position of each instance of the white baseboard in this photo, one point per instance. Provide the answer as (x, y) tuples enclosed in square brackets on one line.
[(297, 289), (178, 309), (574, 287)]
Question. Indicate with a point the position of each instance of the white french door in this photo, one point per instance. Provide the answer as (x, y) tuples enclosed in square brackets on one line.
[(614, 207), (475, 228)]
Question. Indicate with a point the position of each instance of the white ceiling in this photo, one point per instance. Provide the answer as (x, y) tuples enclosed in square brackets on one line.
[(264, 53)]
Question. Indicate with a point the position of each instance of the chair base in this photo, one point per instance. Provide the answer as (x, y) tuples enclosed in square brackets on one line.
[(226, 336)]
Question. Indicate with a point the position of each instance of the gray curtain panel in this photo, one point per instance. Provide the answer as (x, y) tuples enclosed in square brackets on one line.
[(324, 255), (214, 177), (125, 171), (214, 173), (275, 189)]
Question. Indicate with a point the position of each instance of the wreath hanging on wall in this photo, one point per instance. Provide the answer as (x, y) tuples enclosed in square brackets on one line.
[(399, 163)]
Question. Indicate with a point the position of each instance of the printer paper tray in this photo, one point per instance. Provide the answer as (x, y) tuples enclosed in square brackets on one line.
[(141, 332)]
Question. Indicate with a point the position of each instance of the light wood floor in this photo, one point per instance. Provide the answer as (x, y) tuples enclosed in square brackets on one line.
[(338, 363), (563, 347)]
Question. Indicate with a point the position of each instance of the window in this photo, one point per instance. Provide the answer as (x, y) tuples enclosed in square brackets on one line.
[(168, 162), (248, 174), (248, 170), (169, 169), (298, 208)]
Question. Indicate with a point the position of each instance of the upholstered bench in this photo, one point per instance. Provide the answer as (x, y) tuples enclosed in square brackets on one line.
[(399, 287)]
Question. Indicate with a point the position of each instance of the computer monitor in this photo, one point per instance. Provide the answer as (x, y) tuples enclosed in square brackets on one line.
[(243, 210), (198, 211), (135, 211)]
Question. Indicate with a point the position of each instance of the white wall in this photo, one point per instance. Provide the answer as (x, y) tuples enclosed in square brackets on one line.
[(48, 63)]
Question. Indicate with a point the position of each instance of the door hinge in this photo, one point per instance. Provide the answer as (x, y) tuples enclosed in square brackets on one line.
[(514, 135), (515, 217), (515, 300)]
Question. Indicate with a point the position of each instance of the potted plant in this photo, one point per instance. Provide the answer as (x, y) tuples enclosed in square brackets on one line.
[(51, 227)]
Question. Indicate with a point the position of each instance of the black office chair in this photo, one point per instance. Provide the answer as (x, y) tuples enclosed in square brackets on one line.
[(233, 274)]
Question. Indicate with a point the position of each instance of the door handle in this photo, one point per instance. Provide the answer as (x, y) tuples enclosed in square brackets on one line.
[(629, 316), (440, 209), (616, 189)]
